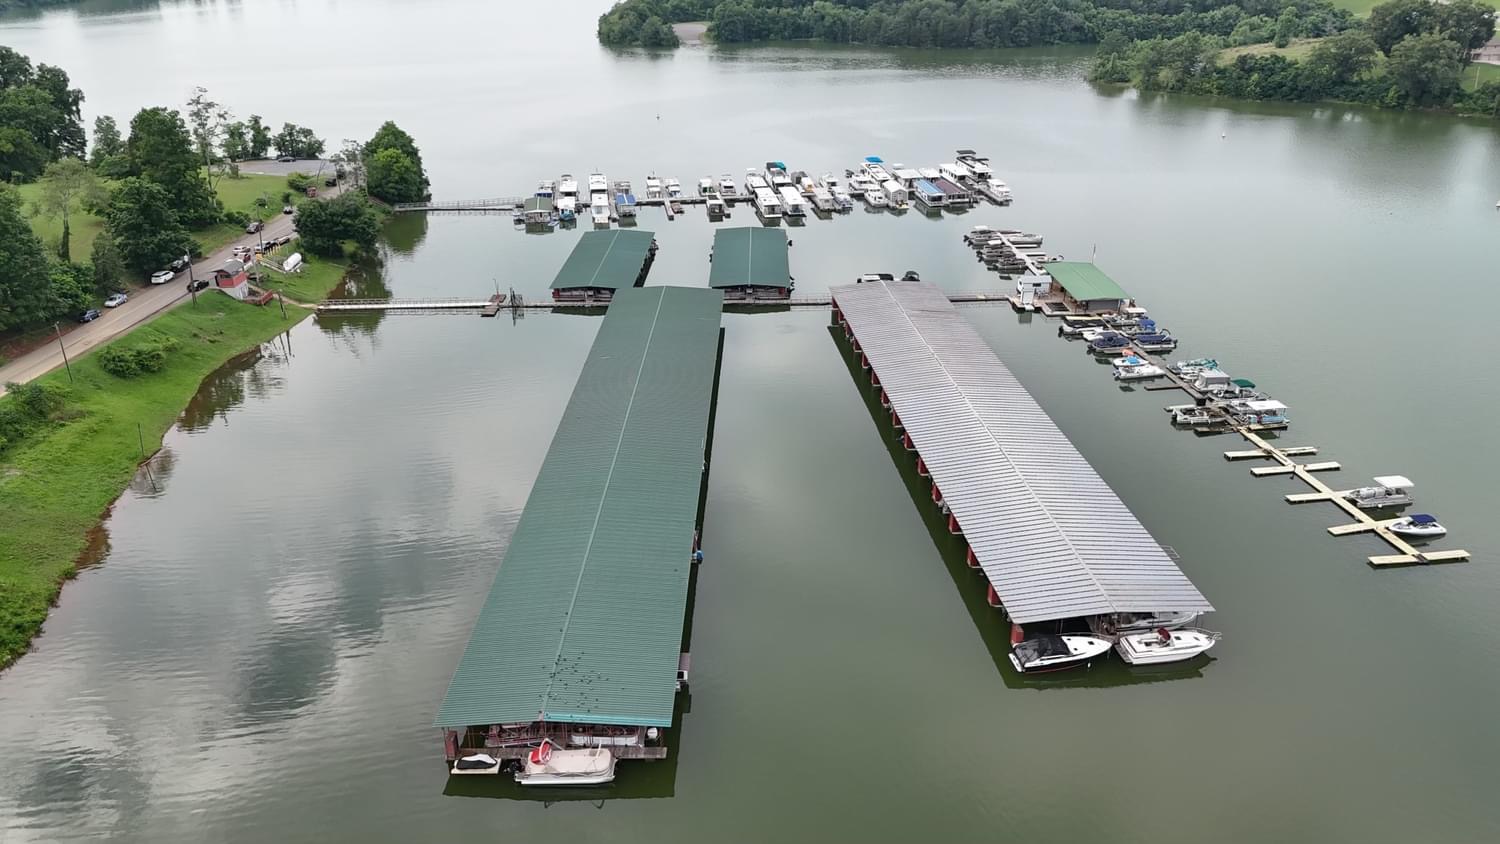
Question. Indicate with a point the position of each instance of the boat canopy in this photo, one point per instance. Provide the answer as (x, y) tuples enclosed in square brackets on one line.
[(1042, 647), (1422, 519), (1394, 481), (874, 159), (1148, 326)]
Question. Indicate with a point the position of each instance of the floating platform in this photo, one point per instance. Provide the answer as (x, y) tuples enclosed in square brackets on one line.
[(583, 626), (1051, 537), (750, 264)]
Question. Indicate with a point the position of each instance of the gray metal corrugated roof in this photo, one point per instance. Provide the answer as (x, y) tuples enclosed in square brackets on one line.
[(1049, 533), (611, 259), (749, 256), (584, 620)]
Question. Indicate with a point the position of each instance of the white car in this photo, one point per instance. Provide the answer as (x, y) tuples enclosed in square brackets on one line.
[(162, 276), (115, 300)]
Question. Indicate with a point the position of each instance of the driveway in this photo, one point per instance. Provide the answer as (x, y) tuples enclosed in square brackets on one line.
[(144, 305)]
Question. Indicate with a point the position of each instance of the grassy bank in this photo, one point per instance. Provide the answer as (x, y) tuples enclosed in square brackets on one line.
[(236, 194), (56, 483)]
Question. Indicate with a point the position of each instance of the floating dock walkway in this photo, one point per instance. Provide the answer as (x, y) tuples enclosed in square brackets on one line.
[(489, 306), (1051, 537), (580, 640)]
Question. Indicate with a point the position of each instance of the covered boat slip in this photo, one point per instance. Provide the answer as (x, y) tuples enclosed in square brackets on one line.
[(750, 263), (1054, 541), (580, 637), (603, 262), (1086, 288)]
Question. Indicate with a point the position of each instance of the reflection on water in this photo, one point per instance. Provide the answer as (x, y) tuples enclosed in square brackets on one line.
[(404, 233)]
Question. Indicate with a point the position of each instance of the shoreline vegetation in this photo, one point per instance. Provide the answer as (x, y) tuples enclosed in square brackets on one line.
[(1405, 54), (79, 444)]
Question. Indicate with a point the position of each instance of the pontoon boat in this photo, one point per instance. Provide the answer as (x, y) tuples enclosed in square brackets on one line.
[(1388, 491), (549, 765)]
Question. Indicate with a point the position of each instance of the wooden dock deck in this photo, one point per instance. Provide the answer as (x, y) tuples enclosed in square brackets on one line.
[(486, 307)]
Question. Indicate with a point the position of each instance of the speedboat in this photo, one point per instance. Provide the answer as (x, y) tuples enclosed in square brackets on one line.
[(1163, 645), (1056, 652), (1196, 365), (727, 186), (1137, 373), (479, 763), (1129, 360), (549, 765), (1388, 491), (1418, 526)]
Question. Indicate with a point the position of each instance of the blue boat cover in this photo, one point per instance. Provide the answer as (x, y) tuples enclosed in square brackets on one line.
[(625, 198), (1151, 338), (924, 186), (1148, 324), (874, 159), (1423, 519)]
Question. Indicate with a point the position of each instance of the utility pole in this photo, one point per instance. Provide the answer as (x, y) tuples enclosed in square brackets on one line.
[(192, 282), (66, 365)]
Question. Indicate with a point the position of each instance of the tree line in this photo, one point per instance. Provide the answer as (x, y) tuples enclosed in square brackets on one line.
[(1409, 53), (956, 23), (152, 187)]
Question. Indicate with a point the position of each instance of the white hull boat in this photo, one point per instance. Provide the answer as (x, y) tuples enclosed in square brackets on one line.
[(1388, 491), (1418, 526), (1191, 416), (1138, 373), (549, 766), (1055, 653), (1163, 645), (1123, 623), (727, 187)]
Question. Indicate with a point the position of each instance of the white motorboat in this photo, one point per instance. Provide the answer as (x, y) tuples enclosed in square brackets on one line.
[(876, 198), (567, 186), (548, 765), (1418, 526), (1129, 360), (1194, 366), (479, 763), (706, 187), (599, 208), (1055, 653), (999, 188), (673, 188), (1138, 373), (1162, 645), (598, 184), (727, 186), (841, 200), (1191, 416), (653, 187), (1388, 491)]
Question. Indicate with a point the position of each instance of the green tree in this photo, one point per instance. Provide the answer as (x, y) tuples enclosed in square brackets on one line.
[(391, 136), (236, 141), (161, 150), (655, 32), (1390, 22), (108, 266), (39, 116), (208, 120), (297, 141), (1425, 69), (324, 224), (260, 137), (1343, 58), (66, 185), (108, 145), (391, 176), (1470, 23), (71, 287), (146, 230), (1287, 26), (25, 296)]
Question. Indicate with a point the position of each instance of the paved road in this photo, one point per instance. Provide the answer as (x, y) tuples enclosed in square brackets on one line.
[(145, 305)]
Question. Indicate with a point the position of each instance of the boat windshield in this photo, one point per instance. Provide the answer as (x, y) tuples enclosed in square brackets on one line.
[(1042, 647)]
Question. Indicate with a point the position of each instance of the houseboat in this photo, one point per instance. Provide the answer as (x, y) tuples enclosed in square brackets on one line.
[(767, 204), (599, 209), (727, 187), (706, 187), (954, 171), (717, 209), (875, 168), (567, 198), (792, 203), (776, 175), (977, 165), (754, 182), (625, 203), (653, 187), (598, 184), (823, 200), (928, 194), (895, 195)]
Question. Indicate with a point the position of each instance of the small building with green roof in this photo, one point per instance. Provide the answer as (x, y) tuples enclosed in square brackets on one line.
[(750, 263), (1085, 288)]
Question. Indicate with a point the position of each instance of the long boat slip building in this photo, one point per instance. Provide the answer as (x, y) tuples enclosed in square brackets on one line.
[(574, 660), (603, 262)]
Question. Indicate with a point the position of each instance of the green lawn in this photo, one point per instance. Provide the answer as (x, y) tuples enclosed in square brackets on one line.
[(1298, 50), (236, 194), (311, 283), (55, 484), (1478, 74)]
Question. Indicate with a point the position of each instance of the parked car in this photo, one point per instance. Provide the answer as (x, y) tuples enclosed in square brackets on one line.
[(180, 264), (286, 159), (115, 300), (288, 209), (283, 240), (197, 284), (162, 276), (255, 226), (89, 315)]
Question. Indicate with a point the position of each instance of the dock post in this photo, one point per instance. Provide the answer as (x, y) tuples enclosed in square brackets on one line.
[(937, 495), (896, 420), (907, 443), (953, 526), (922, 466), (991, 597), (971, 560)]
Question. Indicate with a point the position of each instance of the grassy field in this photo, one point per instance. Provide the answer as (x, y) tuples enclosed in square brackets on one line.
[(1478, 74), (1299, 49), (236, 194), (55, 484), (311, 284)]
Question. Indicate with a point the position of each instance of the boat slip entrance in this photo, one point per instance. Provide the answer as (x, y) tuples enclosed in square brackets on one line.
[(579, 642), (1051, 537)]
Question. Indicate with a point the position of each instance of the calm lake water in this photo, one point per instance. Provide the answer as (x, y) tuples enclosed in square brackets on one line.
[(259, 652)]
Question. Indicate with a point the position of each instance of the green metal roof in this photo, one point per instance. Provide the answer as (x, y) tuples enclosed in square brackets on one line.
[(755, 256), (612, 259), (584, 620), (1084, 281)]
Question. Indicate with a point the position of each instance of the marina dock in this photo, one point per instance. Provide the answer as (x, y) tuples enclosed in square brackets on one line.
[(604, 262), (750, 264), (580, 640), (1049, 535)]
